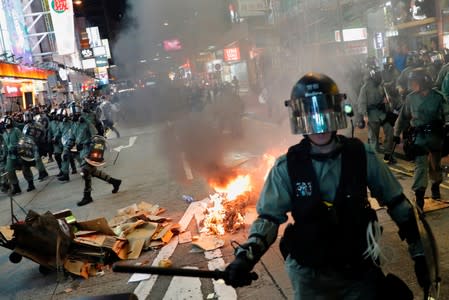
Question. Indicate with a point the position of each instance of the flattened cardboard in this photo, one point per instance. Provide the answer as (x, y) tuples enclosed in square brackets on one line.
[(185, 237), (97, 240), (208, 243), (77, 267), (100, 225), (135, 248), (7, 232)]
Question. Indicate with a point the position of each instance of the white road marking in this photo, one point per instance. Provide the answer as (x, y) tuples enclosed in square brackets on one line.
[(222, 290), (144, 288), (186, 166), (184, 288), (132, 140)]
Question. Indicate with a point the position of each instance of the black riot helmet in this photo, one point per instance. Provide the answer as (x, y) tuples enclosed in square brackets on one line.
[(27, 116), (7, 122), (74, 111), (375, 76), (422, 77), (412, 60), (316, 105)]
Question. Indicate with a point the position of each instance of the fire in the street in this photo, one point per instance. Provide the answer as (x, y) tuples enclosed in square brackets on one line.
[(226, 209), (225, 212), (234, 188)]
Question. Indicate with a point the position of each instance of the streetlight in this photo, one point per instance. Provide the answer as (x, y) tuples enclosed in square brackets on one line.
[(78, 2)]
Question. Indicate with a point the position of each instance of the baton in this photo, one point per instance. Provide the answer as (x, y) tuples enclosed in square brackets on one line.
[(215, 274)]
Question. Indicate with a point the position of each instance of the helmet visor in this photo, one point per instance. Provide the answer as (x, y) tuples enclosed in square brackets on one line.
[(317, 114)]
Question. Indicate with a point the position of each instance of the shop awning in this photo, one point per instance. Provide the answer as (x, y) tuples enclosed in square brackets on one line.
[(21, 71)]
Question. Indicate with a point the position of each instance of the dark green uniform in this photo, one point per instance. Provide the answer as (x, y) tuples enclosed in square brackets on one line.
[(371, 104), (427, 114), (276, 201), (13, 161)]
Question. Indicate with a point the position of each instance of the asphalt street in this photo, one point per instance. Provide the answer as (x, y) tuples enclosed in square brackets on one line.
[(155, 171)]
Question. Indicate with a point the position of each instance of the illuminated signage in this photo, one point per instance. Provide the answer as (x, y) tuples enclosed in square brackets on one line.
[(20, 71), (354, 34), (232, 54), (172, 45), (61, 12), (94, 36), (101, 61), (17, 31), (88, 63), (250, 8), (87, 53), (99, 51), (11, 89)]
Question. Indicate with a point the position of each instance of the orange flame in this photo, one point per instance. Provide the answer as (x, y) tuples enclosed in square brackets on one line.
[(238, 186)]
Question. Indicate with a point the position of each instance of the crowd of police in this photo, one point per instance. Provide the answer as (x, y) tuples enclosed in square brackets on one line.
[(411, 103), (69, 133)]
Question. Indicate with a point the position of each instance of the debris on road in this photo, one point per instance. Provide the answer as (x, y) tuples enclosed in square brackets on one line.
[(85, 248)]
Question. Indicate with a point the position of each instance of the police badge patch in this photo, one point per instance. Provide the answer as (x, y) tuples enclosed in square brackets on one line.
[(304, 189)]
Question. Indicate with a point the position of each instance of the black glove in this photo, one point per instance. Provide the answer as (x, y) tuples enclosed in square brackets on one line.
[(422, 272), (396, 139), (239, 271), (79, 147)]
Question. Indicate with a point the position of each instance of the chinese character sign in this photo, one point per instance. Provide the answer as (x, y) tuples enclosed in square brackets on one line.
[(61, 12), (231, 54), (60, 5)]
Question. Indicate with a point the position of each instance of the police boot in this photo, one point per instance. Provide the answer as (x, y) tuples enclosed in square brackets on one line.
[(116, 184), (419, 195), (74, 171), (435, 191), (86, 199), (31, 186), (64, 178), (42, 175), (5, 187), (15, 189), (60, 174)]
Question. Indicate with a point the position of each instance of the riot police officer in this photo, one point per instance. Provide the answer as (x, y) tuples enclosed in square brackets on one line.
[(93, 157), (411, 63), (323, 182), (372, 105), (36, 132), (11, 137), (64, 137), (426, 111)]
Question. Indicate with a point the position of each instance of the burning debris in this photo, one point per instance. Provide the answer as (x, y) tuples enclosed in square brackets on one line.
[(227, 206)]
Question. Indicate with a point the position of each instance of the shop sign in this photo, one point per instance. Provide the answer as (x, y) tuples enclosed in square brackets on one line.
[(356, 48), (354, 34), (101, 61), (11, 89), (251, 8), (232, 54), (87, 53), (88, 63), (99, 51), (378, 40), (61, 12), (172, 45), (20, 71)]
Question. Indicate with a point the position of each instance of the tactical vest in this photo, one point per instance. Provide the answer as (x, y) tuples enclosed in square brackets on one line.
[(329, 235)]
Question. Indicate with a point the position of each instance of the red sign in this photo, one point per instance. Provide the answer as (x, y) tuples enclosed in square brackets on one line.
[(232, 54), (60, 5), (11, 89), (172, 45)]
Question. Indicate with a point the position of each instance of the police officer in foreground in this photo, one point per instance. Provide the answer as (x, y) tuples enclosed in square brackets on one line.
[(323, 182), (426, 111)]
